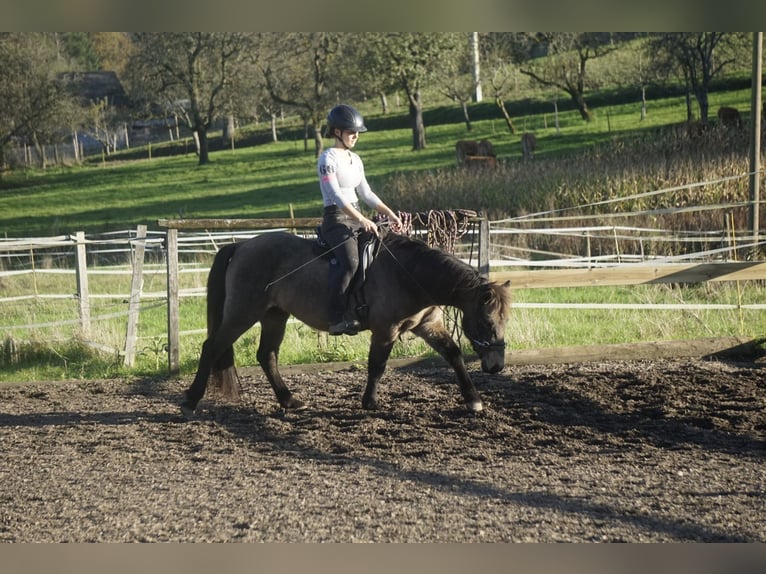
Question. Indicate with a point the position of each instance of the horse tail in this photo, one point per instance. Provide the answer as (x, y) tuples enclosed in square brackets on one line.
[(224, 376)]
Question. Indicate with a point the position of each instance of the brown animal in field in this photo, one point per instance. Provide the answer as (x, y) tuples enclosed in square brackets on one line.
[(690, 130), (465, 149), (528, 146), (729, 117), (480, 162)]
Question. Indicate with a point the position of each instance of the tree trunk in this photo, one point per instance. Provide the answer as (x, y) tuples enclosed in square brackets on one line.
[(383, 103), (582, 106), (466, 117), (416, 116), (508, 121), (318, 142), (274, 136), (704, 104), (40, 151), (202, 146), (643, 103), (229, 130), (689, 112)]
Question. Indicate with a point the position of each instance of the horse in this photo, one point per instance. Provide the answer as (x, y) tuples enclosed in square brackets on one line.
[(269, 277), (528, 145), (729, 117), (465, 150)]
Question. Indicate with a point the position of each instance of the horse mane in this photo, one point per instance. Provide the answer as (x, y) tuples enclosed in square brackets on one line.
[(465, 277), (417, 250)]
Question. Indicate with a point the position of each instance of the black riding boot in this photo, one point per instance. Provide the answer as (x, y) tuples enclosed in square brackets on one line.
[(338, 230)]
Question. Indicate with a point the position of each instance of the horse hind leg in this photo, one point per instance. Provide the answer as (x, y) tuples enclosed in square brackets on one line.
[(224, 379), (273, 327), (196, 390), (217, 356)]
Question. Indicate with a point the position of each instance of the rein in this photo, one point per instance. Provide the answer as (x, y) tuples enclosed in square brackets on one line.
[(415, 281), (484, 345), (309, 262)]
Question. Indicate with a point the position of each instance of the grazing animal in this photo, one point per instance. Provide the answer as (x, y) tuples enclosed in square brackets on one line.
[(528, 146), (466, 150), (729, 117), (690, 130), (272, 276)]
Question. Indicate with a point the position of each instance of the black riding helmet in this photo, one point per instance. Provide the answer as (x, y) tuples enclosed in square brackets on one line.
[(345, 117)]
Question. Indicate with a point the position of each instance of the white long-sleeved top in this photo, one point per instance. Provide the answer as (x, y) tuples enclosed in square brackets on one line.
[(341, 178)]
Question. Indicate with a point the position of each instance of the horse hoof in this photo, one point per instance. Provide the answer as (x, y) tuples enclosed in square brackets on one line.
[(475, 406), (370, 405), (187, 410), (293, 404)]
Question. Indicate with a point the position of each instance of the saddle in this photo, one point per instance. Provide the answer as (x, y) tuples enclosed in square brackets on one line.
[(369, 246)]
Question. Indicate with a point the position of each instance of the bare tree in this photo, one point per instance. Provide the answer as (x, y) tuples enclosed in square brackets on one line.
[(196, 75), (499, 73), (564, 67), (413, 59), (300, 70), (456, 80), (698, 57), (33, 105)]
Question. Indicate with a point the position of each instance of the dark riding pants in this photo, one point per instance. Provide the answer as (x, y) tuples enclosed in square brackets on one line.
[(338, 230)]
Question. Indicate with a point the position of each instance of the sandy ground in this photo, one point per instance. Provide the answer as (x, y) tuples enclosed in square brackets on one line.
[(668, 450)]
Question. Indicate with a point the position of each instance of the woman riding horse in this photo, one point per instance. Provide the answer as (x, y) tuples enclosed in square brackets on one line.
[(341, 177)]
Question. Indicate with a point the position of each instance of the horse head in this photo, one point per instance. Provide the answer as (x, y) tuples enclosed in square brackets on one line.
[(484, 324)]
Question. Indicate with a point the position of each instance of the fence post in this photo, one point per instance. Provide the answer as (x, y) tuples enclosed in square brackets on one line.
[(173, 311), (81, 256), (136, 286), (484, 246)]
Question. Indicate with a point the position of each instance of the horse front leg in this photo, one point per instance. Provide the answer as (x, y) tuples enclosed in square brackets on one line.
[(438, 338), (380, 350), (273, 327)]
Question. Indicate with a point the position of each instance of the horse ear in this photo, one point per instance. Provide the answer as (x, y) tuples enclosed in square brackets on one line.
[(507, 284)]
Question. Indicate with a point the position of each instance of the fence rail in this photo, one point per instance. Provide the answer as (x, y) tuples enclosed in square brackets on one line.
[(184, 246)]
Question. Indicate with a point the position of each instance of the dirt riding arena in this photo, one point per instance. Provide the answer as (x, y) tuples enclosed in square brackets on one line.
[(667, 450)]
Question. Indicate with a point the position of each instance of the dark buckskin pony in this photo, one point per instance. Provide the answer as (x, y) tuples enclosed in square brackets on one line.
[(272, 276)]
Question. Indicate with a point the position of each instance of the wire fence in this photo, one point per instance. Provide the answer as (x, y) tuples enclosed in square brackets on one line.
[(34, 271)]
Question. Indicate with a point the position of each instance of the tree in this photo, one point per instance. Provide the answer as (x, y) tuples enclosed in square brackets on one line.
[(499, 73), (413, 59), (33, 106), (456, 81), (698, 57), (301, 70), (112, 50), (193, 74), (564, 67)]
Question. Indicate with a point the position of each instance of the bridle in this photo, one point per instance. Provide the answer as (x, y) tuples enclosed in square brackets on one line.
[(484, 345)]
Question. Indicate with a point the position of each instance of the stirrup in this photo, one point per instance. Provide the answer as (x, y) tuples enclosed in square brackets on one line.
[(346, 327)]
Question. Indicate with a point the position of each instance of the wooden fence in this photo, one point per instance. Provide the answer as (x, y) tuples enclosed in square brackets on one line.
[(523, 275), (626, 274)]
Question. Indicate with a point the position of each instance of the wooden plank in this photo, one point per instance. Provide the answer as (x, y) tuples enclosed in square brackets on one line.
[(137, 281), (484, 247), (174, 330), (287, 222), (81, 256), (710, 348), (633, 274), (719, 347)]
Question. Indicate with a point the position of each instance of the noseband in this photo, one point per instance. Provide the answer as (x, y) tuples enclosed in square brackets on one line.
[(499, 344)]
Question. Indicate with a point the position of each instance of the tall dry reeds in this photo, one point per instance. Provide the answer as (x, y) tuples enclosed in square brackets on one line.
[(688, 169)]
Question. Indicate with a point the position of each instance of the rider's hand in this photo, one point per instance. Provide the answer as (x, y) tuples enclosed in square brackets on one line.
[(369, 225), (394, 223)]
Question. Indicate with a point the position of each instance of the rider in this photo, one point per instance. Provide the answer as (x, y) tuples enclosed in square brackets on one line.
[(341, 178)]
